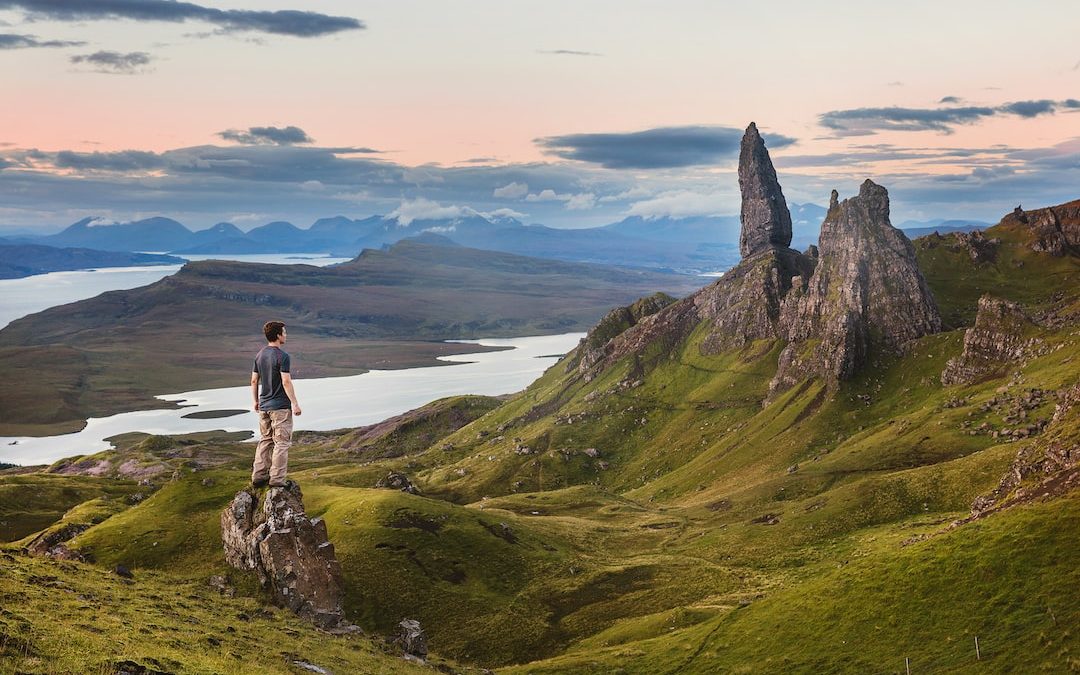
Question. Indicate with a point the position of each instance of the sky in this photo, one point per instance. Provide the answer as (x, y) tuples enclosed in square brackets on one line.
[(570, 114)]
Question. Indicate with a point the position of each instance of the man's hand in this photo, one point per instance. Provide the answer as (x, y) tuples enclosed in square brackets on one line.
[(255, 407), (296, 410)]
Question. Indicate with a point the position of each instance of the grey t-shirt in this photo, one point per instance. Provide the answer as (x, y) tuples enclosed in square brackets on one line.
[(270, 363)]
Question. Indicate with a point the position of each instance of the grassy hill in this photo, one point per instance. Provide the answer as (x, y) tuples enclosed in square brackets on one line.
[(657, 518), (198, 328)]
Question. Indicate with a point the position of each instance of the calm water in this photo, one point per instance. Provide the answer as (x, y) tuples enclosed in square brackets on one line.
[(19, 297), (328, 403)]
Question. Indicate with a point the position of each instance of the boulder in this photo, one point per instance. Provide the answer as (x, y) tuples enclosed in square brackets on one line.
[(290, 552), (397, 481)]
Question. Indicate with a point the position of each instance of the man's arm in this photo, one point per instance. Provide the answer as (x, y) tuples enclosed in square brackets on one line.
[(255, 391), (286, 381)]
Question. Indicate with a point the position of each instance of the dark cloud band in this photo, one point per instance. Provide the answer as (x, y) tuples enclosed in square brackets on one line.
[(661, 148), (865, 121), (114, 62), (281, 22), (12, 41), (271, 135)]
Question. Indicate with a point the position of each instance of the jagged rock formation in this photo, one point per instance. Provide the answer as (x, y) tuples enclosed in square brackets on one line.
[(998, 338), (746, 305), (597, 344), (289, 551), (766, 221), (866, 293), (859, 291), (1056, 228), (1048, 466)]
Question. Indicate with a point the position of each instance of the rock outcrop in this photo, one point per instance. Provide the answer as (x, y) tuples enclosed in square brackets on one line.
[(866, 293), (597, 344), (999, 338), (859, 291), (1056, 229), (289, 551), (766, 221), (1047, 467)]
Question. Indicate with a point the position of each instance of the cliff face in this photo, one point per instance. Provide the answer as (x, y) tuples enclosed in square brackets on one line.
[(866, 293), (996, 341), (1056, 229), (859, 291), (766, 221)]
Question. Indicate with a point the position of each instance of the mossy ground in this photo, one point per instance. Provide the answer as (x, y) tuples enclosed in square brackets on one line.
[(679, 526)]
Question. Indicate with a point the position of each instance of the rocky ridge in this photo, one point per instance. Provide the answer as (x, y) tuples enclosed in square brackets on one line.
[(1056, 229), (858, 292)]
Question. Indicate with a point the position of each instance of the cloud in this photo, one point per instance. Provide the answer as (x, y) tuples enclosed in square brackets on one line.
[(867, 121), (581, 202), (660, 148), (511, 191), (567, 52), (267, 135), (281, 22), (426, 209), (949, 99), (1030, 108), (545, 196), (124, 160), (683, 204), (506, 213), (12, 41), (114, 62)]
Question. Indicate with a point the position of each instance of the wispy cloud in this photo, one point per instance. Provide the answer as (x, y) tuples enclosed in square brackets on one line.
[(867, 121), (567, 52), (664, 147), (13, 41), (281, 22), (114, 62), (267, 135)]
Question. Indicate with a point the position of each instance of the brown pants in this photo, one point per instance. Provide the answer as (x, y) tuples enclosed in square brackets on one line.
[(275, 434)]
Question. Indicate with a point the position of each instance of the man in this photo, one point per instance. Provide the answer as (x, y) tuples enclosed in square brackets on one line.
[(275, 401)]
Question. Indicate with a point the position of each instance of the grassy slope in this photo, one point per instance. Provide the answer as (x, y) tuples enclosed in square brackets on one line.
[(717, 536), (386, 309), (78, 618)]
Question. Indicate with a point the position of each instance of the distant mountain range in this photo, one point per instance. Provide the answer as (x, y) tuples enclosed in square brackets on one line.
[(687, 245)]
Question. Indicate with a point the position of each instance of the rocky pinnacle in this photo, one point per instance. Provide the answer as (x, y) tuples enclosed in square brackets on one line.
[(766, 221)]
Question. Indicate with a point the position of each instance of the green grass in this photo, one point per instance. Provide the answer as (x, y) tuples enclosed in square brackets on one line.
[(76, 618)]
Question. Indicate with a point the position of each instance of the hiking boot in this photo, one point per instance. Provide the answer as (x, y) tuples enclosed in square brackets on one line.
[(260, 482), (287, 484)]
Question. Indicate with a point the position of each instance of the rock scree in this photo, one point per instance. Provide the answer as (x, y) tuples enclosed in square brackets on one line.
[(290, 552)]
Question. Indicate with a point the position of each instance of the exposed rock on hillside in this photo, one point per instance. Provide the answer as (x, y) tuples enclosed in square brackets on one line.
[(859, 291), (1049, 466), (997, 340), (290, 552), (598, 343), (1056, 228), (866, 293), (766, 221)]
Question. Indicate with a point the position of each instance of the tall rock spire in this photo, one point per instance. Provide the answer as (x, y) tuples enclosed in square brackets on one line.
[(766, 221)]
